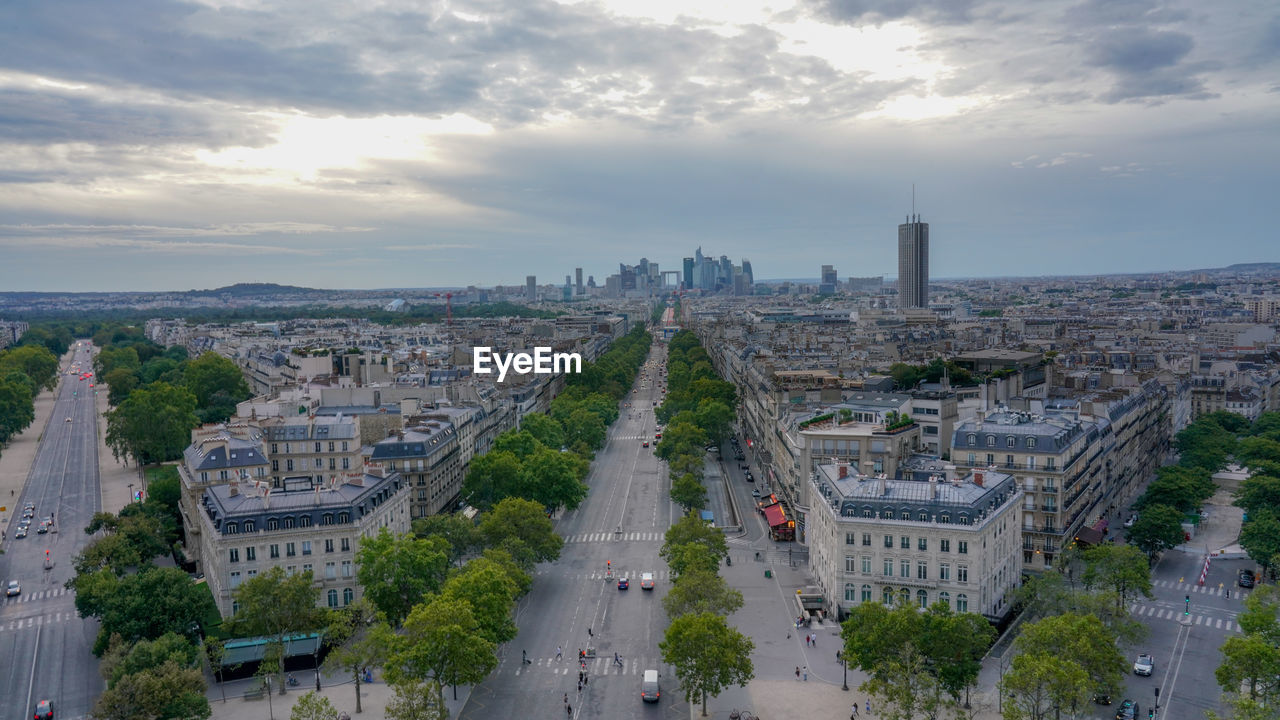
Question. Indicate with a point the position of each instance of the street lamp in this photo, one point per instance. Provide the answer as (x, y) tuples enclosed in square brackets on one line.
[(844, 665), (130, 492)]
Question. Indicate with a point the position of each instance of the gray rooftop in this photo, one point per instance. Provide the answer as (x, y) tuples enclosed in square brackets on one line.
[(962, 502), (222, 452)]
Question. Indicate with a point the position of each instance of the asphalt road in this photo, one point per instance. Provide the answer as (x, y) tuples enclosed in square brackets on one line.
[(576, 604), (45, 646)]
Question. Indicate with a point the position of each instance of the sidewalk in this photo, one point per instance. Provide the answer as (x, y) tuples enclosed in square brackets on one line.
[(340, 691)]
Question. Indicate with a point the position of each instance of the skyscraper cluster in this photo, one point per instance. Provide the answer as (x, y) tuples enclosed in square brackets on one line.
[(705, 273)]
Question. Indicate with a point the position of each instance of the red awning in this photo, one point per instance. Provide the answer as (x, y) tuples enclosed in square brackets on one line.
[(775, 516)]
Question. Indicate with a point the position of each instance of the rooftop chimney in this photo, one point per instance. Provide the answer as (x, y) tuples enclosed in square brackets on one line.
[(844, 471), (977, 479)]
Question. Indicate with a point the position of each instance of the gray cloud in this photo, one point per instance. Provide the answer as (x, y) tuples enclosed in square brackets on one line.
[(877, 11), (1132, 50)]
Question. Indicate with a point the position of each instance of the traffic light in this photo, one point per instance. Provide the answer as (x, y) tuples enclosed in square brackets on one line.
[(1187, 610)]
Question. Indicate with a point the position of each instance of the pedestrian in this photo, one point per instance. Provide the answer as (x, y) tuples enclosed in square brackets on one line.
[(868, 706), (559, 652), (806, 673), (568, 710), (566, 698), (589, 633), (853, 712), (814, 641), (579, 687), (797, 672), (581, 655)]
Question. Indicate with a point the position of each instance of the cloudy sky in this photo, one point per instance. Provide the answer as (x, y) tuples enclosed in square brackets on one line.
[(149, 144)]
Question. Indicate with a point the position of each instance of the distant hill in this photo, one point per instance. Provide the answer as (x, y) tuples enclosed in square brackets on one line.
[(255, 289)]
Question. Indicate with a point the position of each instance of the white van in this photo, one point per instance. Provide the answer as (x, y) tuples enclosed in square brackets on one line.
[(649, 691), (646, 581)]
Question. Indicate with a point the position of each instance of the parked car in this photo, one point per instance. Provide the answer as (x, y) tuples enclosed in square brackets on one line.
[(1144, 664), (1127, 711), (1247, 578)]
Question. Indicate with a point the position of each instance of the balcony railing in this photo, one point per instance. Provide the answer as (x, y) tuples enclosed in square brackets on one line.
[(1049, 489), (1049, 508)]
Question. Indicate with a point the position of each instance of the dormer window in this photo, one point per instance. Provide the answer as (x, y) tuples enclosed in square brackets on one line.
[(233, 528), (249, 526), (1011, 441), (273, 524), (344, 518), (1031, 443), (288, 523), (973, 439), (991, 441)]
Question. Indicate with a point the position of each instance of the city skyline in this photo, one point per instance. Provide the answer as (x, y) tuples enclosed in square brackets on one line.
[(475, 144)]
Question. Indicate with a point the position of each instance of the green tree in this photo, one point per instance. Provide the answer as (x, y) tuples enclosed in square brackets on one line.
[(398, 571), (1157, 529), (491, 592), (1123, 569), (503, 559), (545, 429), (491, 478), (956, 643), (123, 659), (681, 437), (120, 383), (441, 645), (456, 529), (523, 521), (1081, 640), (129, 540), (716, 419), (34, 361), (689, 493), (707, 654), (359, 637), (211, 373), (153, 424), (415, 701), (312, 706), (1262, 614), (691, 530), (1040, 686), (141, 606), (1183, 488), (586, 427), (551, 478), (1250, 661), (1260, 537), (17, 409), (698, 591), (275, 605), (167, 692), (1258, 492)]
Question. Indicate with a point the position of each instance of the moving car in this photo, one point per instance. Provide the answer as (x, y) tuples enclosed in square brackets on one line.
[(13, 589), (1144, 665), (645, 443), (44, 528), (22, 532), (1247, 578), (1127, 711), (44, 710), (646, 581), (68, 419), (623, 583), (649, 691), (1132, 519), (29, 512)]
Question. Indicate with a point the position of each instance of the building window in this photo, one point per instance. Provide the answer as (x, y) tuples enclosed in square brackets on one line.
[(346, 544), (922, 598), (945, 597), (962, 547), (289, 550), (306, 568), (330, 571), (991, 459), (348, 596), (962, 574), (973, 459), (922, 544), (922, 570), (904, 596), (923, 517), (887, 596), (904, 568), (274, 551), (1049, 464), (235, 554), (233, 528), (991, 441), (304, 521), (273, 524), (1031, 443), (344, 446), (333, 598), (328, 545), (944, 545), (850, 538), (866, 564), (317, 447), (1011, 441), (866, 513), (346, 462), (850, 592), (944, 518), (848, 564), (888, 541), (1031, 462), (288, 465), (275, 466), (962, 603), (888, 567), (866, 593), (288, 523), (251, 553), (306, 547), (346, 568), (1008, 461), (235, 578), (344, 518), (866, 539), (973, 440), (905, 542), (944, 571)]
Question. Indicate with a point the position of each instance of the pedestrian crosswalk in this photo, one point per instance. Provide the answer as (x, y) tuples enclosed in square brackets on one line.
[(597, 666), (38, 621), (614, 537), (1197, 589), (1207, 621), (37, 595), (618, 572), (634, 437)]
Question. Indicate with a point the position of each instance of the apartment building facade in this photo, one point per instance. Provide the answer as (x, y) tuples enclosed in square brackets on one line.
[(430, 459), (246, 528), (916, 541), (315, 447)]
